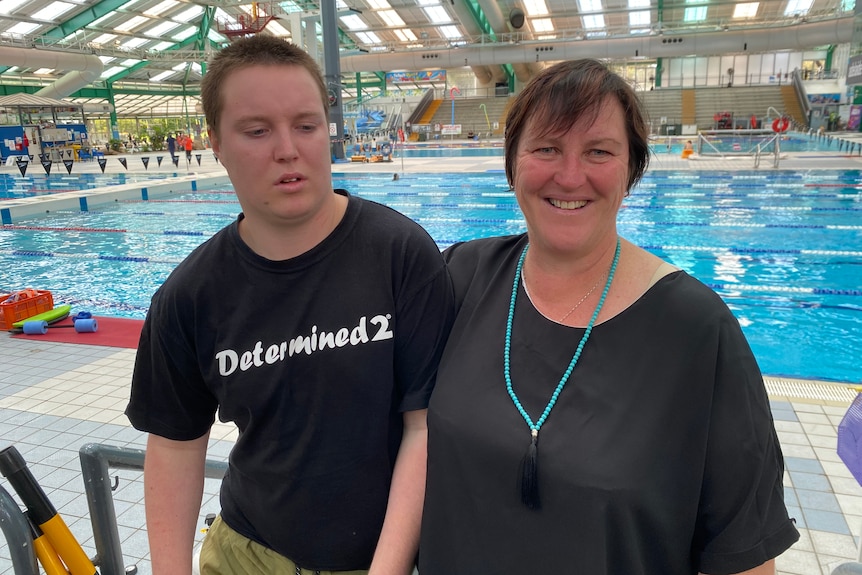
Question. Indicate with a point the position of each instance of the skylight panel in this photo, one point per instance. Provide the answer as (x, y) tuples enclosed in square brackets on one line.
[(290, 6), (428, 2), (695, 14), (131, 24), (746, 10), (379, 4), (639, 18), (23, 28), (43, 71), (52, 11), (277, 29), (368, 38), (182, 35), (391, 18), (451, 32), (190, 14), (134, 43), (354, 22), (437, 14), (216, 37), (9, 6), (594, 21), (406, 35), (112, 71), (104, 39), (162, 76), (161, 29), (798, 7), (98, 21), (160, 7), (162, 46), (542, 25), (130, 62), (223, 16), (106, 59), (182, 67), (535, 8), (590, 5)]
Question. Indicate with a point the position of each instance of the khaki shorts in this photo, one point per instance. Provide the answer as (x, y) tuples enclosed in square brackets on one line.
[(226, 552)]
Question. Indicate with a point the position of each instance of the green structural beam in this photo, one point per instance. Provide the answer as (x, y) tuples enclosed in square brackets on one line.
[(85, 18), (482, 21)]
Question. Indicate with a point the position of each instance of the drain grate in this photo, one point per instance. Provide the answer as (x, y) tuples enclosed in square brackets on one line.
[(811, 390)]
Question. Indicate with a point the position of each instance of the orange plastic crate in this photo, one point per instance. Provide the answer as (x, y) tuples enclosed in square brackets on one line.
[(29, 303)]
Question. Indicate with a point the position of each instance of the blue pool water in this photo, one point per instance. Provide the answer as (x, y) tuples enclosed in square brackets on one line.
[(742, 144), (784, 248), (39, 184)]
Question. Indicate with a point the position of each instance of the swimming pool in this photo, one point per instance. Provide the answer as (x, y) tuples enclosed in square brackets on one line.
[(783, 248), (730, 143), (15, 186)]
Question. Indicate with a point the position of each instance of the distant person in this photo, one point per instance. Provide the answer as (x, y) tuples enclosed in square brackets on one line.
[(687, 150), (172, 144), (188, 144), (315, 323)]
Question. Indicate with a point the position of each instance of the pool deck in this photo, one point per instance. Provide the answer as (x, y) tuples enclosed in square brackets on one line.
[(54, 398)]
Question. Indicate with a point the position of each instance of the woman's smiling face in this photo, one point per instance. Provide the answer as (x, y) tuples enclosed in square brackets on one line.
[(570, 185)]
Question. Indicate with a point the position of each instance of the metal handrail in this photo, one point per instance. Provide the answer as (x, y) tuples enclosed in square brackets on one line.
[(19, 538), (96, 459)]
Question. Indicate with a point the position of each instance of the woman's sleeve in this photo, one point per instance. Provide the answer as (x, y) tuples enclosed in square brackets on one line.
[(742, 519)]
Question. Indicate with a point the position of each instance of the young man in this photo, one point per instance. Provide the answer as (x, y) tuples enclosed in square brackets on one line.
[(315, 323)]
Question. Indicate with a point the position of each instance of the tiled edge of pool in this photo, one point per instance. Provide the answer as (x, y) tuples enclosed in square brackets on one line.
[(83, 200), (810, 390)]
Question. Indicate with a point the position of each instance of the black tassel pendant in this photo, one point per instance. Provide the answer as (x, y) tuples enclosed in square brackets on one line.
[(530, 474)]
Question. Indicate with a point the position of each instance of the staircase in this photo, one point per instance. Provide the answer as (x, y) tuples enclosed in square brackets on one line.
[(791, 105)]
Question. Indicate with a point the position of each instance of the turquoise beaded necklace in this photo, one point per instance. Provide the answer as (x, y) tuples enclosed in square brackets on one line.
[(529, 480)]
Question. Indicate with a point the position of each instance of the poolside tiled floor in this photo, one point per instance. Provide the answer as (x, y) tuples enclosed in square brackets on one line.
[(54, 398)]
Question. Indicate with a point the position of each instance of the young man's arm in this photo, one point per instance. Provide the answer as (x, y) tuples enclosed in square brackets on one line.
[(399, 539), (173, 489)]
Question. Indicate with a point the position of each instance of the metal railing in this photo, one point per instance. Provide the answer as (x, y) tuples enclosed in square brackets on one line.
[(96, 462)]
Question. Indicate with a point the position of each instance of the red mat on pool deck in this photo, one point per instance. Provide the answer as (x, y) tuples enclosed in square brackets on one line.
[(111, 332)]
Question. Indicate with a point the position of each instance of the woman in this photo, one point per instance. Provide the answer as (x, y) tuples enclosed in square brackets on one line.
[(597, 411)]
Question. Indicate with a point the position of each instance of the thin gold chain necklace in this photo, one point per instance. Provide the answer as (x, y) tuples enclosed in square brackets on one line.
[(568, 313)]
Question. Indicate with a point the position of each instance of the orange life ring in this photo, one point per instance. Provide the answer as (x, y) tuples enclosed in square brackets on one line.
[(753, 122), (780, 124)]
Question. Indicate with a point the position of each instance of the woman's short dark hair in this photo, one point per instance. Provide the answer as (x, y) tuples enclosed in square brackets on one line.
[(250, 51), (561, 95)]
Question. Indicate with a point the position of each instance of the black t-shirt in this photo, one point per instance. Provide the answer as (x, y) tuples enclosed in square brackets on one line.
[(315, 359), (659, 457)]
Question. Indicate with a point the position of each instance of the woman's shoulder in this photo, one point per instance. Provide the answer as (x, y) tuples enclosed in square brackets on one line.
[(474, 252)]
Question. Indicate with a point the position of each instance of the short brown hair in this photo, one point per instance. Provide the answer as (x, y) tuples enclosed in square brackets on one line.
[(560, 95), (251, 51)]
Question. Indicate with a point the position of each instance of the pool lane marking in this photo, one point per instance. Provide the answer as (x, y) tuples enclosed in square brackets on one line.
[(133, 259), (12, 227)]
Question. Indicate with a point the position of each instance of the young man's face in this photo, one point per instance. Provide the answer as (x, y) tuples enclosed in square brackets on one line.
[(273, 139)]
